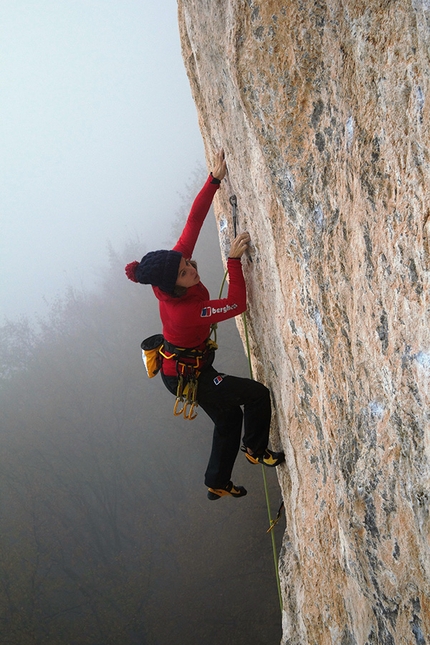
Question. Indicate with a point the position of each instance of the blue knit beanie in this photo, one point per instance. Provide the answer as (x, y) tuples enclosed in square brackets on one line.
[(159, 268)]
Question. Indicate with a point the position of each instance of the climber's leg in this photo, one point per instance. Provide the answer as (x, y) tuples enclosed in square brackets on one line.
[(225, 443), (221, 397)]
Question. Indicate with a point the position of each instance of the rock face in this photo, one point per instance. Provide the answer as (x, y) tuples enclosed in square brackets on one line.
[(323, 111)]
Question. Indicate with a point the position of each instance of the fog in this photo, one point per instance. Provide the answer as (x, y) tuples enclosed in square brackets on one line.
[(106, 533), (98, 135)]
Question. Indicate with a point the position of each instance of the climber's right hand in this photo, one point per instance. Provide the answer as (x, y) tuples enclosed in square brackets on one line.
[(239, 245), (220, 166)]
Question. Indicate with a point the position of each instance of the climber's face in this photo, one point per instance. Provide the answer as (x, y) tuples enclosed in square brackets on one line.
[(187, 274)]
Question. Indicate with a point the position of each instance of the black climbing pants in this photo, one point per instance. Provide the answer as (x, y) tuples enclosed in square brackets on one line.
[(221, 397)]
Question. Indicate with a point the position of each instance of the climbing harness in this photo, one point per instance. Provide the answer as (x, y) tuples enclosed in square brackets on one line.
[(189, 364), (186, 392)]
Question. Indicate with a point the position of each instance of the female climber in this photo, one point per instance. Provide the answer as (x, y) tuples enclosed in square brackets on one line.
[(187, 313)]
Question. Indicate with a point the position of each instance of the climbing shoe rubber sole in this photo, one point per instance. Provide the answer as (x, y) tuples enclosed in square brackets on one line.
[(268, 458), (230, 489)]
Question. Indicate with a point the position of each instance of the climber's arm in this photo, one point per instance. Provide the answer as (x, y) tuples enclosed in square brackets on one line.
[(200, 208)]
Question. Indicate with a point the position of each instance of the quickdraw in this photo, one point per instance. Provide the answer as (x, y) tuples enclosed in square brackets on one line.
[(274, 522), (233, 202), (189, 363), (186, 397)]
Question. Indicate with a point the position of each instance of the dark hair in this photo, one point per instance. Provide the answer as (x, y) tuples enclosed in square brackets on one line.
[(178, 291)]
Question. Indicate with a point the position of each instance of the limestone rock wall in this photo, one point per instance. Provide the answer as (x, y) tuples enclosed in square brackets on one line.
[(323, 111)]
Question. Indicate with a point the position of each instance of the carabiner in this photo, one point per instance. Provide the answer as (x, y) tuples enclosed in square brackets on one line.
[(188, 414), (177, 412), (274, 522)]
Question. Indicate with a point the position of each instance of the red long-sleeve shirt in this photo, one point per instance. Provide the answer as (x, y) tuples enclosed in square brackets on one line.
[(186, 320)]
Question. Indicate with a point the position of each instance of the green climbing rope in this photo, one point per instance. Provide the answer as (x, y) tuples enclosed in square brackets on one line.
[(266, 489)]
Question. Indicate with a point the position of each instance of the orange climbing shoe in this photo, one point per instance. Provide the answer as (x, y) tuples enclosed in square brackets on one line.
[(267, 458), (230, 489)]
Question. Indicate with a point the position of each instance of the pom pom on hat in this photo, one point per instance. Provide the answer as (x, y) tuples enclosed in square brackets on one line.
[(159, 268), (130, 269)]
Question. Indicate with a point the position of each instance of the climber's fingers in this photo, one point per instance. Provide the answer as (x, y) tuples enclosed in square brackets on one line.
[(239, 245), (220, 166)]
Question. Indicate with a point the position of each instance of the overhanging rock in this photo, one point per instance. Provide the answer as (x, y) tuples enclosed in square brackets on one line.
[(323, 111)]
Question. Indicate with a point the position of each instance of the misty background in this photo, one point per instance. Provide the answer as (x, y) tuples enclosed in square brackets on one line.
[(106, 534), (98, 135)]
